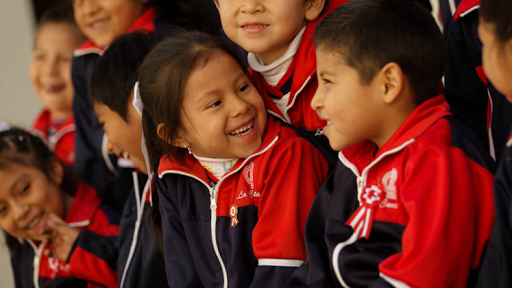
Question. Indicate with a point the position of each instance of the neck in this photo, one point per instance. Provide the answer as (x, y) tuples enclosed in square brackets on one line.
[(395, 119), (60, 114)]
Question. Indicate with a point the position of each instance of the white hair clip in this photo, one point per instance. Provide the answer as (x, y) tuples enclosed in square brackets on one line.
[(139, 106), (4, 126)]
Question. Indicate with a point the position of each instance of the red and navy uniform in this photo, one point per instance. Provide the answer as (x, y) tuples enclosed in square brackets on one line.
[(472, 98), (300, 81), (92, 259), (60, 137), (497, 263), (415, 213), (92, 162), (140, 262), (247, 228)]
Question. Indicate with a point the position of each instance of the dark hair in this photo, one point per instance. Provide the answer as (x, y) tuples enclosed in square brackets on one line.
[(499, 13), (20, 147), (58, 14), (370, 34), (162, 79), (117, 70)]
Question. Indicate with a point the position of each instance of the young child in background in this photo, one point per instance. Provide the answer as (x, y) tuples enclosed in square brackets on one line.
[(495, 32), (277, 35), (50, 73), (34, 196), (102, 22), (410, 203), (140, 262), (234, 187)]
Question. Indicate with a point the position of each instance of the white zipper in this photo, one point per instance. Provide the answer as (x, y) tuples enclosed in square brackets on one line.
[(277, 115), (361, 179), (213, 202), (37, 261)]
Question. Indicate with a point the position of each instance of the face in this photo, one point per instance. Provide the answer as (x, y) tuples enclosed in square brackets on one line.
[(265, 27), (102, 21), (496, 59), (27, 197), (50, 66), (124, 137), (223, 114), (346, 103)]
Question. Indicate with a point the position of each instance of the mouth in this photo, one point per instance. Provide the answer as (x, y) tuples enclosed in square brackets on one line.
[(36, 223), (99, 24), (243, 129), (54, 88), (254, 27), (124, 155)]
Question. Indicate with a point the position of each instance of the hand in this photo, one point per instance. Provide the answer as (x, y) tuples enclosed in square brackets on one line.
[(61, 238)]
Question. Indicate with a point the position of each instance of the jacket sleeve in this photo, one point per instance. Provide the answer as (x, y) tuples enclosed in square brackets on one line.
[(177, 256), (293, 177), (497, 262), (94, 253), (448, 207)]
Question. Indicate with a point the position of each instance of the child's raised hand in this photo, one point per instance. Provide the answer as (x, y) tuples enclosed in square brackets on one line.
[(61, 238)]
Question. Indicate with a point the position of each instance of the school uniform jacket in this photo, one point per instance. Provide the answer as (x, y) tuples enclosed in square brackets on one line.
[(140, 262), (472, 98), (93, 164), (247, 228), (60, 138), (90, 263), (415, 213), (299, 84)]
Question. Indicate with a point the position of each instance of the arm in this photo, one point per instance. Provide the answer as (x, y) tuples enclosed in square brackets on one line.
[(292, 179), (177, 256), (447, 203)]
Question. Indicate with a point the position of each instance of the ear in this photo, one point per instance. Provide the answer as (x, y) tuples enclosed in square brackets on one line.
[(392, 82), (216, 3), (314, 8), (55, 171), (178, 142)]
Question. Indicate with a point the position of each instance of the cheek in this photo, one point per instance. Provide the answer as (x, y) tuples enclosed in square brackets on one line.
[(33, 73)]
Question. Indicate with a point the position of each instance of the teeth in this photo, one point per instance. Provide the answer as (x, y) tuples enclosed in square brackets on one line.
[(125, 155), (255, 26), (242, 131), (329, 122), (34, 222)]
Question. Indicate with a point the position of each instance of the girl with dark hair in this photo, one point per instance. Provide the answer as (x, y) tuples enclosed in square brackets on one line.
[(34, 197), (234, 185), (495, 32)]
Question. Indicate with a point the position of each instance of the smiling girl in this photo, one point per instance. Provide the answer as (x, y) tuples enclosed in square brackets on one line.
[(235, 186), (34, 196)]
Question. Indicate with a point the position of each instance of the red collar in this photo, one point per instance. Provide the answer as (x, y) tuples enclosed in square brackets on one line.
[(84, 205), (422, 118), (465, 7), (44, 120), (192, 166), (145, 22)]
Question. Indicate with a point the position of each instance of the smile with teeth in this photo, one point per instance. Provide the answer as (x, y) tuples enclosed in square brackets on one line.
[(255, 26), (243, 130), (98, 23), (34, 221), (125, 155)]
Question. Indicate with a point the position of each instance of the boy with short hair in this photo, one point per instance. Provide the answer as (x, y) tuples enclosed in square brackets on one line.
[(410, 202), (111, 93), (277, 35), (50, 75)]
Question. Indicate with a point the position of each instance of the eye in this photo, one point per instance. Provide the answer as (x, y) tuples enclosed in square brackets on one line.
[(215, 104), (24, 189), (244, 87), (326, 81), (2, 209), (39, 57)]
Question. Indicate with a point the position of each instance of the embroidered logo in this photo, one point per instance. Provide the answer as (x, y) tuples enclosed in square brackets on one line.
[(389, 183), (362, 220), (249, 175), (233, 213)]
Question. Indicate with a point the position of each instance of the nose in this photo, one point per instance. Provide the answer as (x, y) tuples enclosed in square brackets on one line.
[(252, 6), (239, 106), (90, 7), (51, 66), (20, 210), (318, 99)]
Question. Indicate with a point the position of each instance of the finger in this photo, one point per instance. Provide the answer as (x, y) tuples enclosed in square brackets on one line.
[(56, 219)]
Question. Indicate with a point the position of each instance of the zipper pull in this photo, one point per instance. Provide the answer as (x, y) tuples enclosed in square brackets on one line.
[(213, 198), (359, 184)]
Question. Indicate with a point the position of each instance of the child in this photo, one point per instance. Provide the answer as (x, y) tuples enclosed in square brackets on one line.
[(102, 22), (50, 74), (34, 196), (410, 202), (140, 261), (234, 186), (495, 32), (277, 35)]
